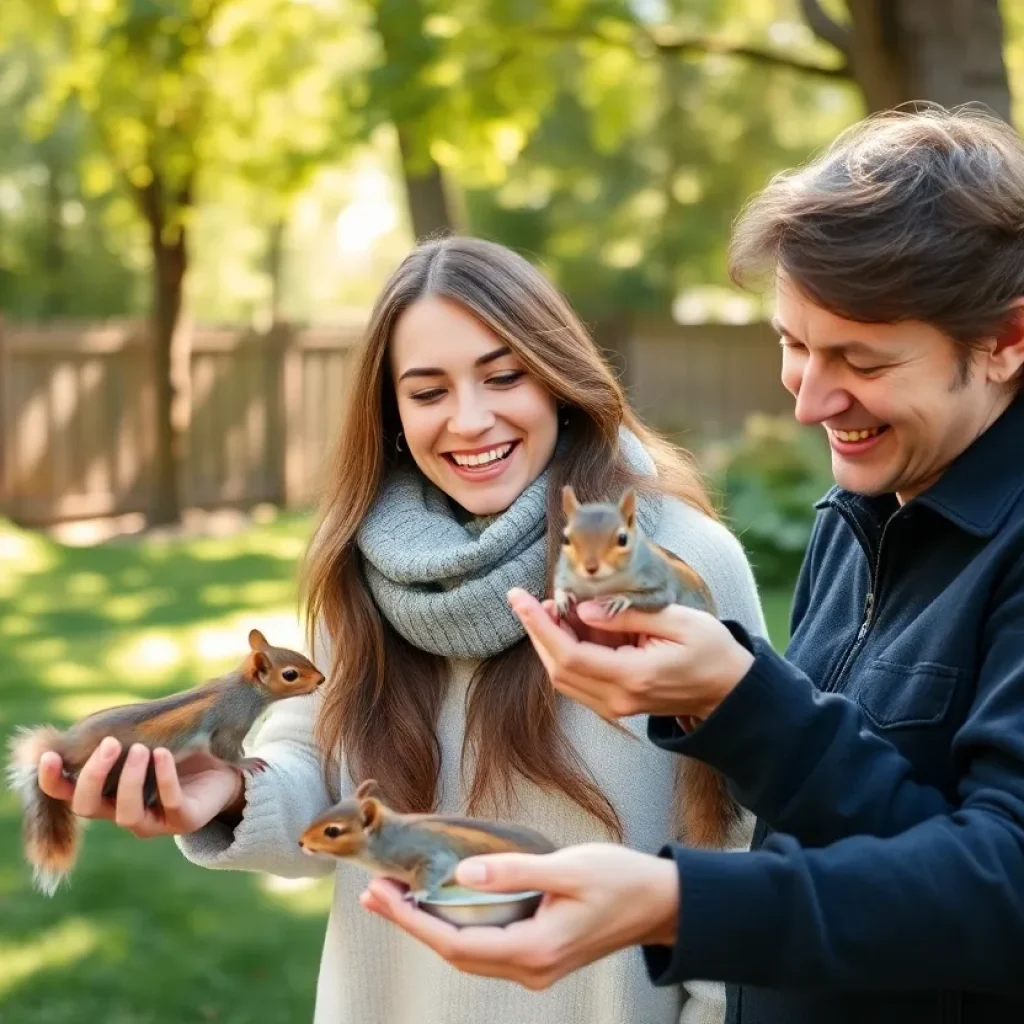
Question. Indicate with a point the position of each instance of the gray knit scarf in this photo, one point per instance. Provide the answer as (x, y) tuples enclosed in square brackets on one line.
[(442, 583)]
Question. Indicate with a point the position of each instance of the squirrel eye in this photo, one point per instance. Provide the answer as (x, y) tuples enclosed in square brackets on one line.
[(332, 831), (622, 539), (565, 536), (290, 675)]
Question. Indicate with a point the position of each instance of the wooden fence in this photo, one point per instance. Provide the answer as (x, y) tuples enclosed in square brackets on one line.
[(76, 423)]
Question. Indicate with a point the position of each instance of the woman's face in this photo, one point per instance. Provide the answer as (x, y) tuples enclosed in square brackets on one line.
[(475, 421)]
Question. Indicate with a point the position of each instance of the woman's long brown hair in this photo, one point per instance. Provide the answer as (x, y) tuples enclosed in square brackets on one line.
[(382, 694)]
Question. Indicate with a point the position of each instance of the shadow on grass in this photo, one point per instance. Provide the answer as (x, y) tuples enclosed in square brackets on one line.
[(141, 936)]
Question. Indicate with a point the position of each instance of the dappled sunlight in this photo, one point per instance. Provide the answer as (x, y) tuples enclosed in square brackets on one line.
[(66, 943), (298, 895), (229, 638), (87, 584), (148, 654)]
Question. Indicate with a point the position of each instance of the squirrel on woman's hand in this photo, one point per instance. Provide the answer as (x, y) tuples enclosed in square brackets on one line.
[(419, 850), (606, 557), (212, 718)]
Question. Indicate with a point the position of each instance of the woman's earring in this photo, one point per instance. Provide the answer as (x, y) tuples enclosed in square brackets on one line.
[(398, 441)]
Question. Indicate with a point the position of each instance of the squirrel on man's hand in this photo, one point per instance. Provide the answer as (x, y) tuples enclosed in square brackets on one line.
[(212, 718), (419, 850), (606, 557)]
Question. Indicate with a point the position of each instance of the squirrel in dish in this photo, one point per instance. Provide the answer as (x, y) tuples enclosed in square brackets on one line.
[(418, 850), (212, 718)]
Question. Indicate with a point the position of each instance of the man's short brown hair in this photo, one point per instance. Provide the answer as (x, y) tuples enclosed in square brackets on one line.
[(908, 215)]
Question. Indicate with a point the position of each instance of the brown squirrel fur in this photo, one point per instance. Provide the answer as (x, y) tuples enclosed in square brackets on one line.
[(213, 718)]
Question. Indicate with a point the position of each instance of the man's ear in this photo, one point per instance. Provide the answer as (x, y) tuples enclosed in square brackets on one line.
[(1007, 356), (373, 813)]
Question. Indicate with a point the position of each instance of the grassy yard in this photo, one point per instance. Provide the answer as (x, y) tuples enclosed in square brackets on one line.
[(141, 937)]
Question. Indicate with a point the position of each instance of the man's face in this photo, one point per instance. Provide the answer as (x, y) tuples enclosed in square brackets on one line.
[(896, 400)]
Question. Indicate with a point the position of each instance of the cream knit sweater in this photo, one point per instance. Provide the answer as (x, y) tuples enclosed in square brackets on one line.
[(373, 973)]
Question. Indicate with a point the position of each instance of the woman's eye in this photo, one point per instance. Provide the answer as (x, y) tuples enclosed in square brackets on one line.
[(429, 395), (866, 370), (505, 379)]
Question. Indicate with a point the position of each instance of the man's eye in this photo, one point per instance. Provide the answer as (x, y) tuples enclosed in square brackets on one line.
[(866, 370)]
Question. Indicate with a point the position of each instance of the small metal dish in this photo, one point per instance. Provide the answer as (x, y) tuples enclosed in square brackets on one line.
[(467, 907)]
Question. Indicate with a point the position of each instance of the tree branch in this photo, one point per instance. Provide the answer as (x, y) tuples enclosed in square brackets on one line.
[(825, 27), (666, 41), (775, 58)]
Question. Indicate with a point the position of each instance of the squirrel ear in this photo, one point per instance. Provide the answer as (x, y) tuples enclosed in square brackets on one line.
[(367, 788), (373, 813), (569, 502), (627, 506), (257, 641), (257, 665)]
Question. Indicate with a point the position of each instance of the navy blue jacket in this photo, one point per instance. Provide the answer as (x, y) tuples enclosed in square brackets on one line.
[(884, 758)]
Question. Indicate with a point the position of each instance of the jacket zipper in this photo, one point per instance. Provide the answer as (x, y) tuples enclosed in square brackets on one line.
[(867, 618)]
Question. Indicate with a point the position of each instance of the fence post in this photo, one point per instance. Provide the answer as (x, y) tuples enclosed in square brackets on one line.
[(293, 467)]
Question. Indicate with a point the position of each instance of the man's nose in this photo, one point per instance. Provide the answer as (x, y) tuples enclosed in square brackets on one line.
[(818, 398)]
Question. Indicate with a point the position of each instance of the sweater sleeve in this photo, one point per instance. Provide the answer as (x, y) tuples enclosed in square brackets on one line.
[(949, 886), (280, 802)]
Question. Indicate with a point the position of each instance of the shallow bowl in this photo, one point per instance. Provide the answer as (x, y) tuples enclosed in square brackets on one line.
[(467, 907)]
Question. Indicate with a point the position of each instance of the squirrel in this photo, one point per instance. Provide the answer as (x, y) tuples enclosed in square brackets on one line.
[(212, 718), (419, 850), (605, 555)]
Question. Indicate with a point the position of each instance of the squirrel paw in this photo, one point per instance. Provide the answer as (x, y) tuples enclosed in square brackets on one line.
[(564, 600), (615, 605), (253, 765)]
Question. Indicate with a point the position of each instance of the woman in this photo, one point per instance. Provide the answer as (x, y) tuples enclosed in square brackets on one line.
[(476, 396)]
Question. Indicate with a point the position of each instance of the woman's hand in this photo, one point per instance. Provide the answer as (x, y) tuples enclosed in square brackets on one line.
[(600, 898), (682, 663), (191, 793)]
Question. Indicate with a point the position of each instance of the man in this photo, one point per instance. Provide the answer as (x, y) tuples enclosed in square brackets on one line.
[(884, 755)]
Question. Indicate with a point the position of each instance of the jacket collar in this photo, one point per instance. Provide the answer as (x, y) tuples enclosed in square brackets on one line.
[(980, 486)]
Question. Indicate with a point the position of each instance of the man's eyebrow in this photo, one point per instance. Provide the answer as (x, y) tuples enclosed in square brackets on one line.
[(433, 371), (842, 346)]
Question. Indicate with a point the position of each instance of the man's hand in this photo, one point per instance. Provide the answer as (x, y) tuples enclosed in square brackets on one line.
[(681, 662), (599, 898)]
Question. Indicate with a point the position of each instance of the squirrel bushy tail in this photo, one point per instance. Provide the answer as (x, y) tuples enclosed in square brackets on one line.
[(709, 811), (49, 828)]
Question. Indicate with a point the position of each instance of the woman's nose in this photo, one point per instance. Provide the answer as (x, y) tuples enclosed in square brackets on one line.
[(473, 415)]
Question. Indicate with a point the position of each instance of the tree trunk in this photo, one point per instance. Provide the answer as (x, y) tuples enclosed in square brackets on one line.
[(947, 51), (275, 266), (430, 207), (171, 353), (53, 241)]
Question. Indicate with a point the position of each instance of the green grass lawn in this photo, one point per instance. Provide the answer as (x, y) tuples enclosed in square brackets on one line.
[(141, 936)]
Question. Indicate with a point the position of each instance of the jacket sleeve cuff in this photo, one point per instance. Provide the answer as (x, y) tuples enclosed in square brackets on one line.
[(726, 915), (761, 705)]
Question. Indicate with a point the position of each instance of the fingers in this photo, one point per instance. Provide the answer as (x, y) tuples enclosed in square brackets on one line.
[(669, 624), (130, 812), (88, 801), (168, 785), (559, 651), (51, 779), (516, 872)]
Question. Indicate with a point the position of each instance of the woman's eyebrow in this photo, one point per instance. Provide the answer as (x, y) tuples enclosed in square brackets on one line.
[(433, 371)]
